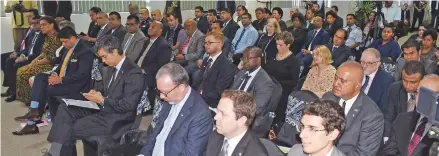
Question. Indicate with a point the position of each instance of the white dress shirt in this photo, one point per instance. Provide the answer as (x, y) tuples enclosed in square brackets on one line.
[(214, 58), (252, 76), (233, 142), (313, 37), (349, 103), (118, 66), (371, 76), (327, 154), (140, 61)]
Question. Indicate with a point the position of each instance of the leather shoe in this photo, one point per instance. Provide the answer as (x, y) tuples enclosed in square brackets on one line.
[(10, 98), (32, 115), (28, 129)]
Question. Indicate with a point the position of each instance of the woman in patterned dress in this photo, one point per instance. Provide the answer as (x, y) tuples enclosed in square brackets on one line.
[(40, 64)]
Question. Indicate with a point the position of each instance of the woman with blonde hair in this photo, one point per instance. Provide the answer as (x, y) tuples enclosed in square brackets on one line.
[(321, 75), (267, 40)]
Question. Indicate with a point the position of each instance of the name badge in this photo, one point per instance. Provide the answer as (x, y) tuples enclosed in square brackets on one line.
[(74, 60)]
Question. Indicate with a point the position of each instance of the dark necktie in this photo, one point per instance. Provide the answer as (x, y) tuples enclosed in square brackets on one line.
[(240, 37), (334, 48), (171, 37), (246, 78), (344, 106), (349, 29), (113, 76), (224, 151), (366, 82), (209, 64), (99, 33), (312, 39), (417, 136)]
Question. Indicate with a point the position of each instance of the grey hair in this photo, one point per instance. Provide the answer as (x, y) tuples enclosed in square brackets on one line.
[(373, 51), (66, 23), (108, 43), (175, 71)]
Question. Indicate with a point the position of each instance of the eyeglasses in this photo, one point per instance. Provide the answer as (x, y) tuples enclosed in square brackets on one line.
[(368, 63), (166, 94), (209, 43), (310, 129), (247, 59)]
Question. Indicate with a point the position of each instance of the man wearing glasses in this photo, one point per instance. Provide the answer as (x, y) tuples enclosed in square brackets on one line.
[(184, 123), (376, 81), (134, 40), (322, 124)]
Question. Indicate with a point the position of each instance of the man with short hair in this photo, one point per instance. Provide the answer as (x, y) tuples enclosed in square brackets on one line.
[(364, 120), (202, 22), (339, 51), (236, 111), (134, 40), (133, 9), (339, 20), (376, 81), (174, 33), (117, 29), (245, 36), (184, 123), (102, 21), (355, 35), (192, 48), (145, 20), (157, 16), (412, 53), (322, 125), (387, 46), (260, 21), (230, 26)]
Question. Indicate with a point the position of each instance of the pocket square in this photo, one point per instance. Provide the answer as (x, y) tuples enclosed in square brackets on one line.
[(74, 60)]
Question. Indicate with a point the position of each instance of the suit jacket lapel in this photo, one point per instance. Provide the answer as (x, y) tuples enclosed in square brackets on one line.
[(118, 76), (252, 84), (217, 142), (404, 131), (404, 99), (184, 113), (355, 109), (242, 145), (375, 84)]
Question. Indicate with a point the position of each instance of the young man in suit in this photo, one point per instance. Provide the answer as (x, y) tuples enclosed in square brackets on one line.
[(412, 53), (192, 48), (201, 20), (339, 51), (376, 81), (29, 49), (134, 40), (118, 102), (217, 71), (69, 78), (226, 4), (230, 26), (117, 29), (402, 94), (409, 131), (236, 111), (255, 80), (184, 123), (364, 120), (322, 124)]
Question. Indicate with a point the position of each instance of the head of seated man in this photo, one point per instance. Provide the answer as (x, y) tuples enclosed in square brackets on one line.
[(102, 19), (155, 29), (172, 83), (430, 82), (252, 58), (115, 20), (110, 51), (370, 60), (190, 26), (348, 80), (412, 74)]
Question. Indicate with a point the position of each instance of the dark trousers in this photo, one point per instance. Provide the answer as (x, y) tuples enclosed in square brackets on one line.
[(417, 15), (4, 56), (10, 77)]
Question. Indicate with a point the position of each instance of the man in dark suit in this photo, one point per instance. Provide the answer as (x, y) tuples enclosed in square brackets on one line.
[(230, 26), (339, 51), (220, 5), (402, 94), (58, 9), (29, 49), (364, 120), (201, 20), (184, 123), (117, 29), (236, 111), (376, 81), (255, 80), (412, 53), (69, 78), (216, 70), (409, 131), (134, 41)]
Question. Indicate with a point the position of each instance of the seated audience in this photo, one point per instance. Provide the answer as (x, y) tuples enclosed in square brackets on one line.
[(322, 124), (118, 103), (285, 68), (93, 27), (428, 50), (387, 46), (316, 9), (339, 51), (330, 24), (41, 63), (309, 25), (211, 17), (117, 29), (289, 23), (216, 71), (411, 53), (299, 33), (355, 36), (145, 20), (70, 78), (227, 48), (192, 48), (230, 26), (260, 21), (240, 10), (134, 40), (364, 120), (255, 80), (174, 33), (267, 41), (376, 81), (173, 134), (201, 20), (278, 13), (245, 36), (402, 94), (409, 131), (321, 75), (29, 49), (236, 111)]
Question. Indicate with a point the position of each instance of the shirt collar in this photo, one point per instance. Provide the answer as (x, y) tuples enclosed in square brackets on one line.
[(233, 142), (119, 65), (103, 27), (372, 75), (252, 74), (181, 103), (329, 153), (215, 57)]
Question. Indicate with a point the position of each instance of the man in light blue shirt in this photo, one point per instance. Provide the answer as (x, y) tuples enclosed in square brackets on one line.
[(355, 35), (245, 36)]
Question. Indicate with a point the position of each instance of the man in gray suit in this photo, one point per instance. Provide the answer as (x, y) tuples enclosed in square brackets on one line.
[(411, 53), (322, 124), (102, 21), (117, 29), (134, 41), (190, 50), (364, 120), (255, 80)]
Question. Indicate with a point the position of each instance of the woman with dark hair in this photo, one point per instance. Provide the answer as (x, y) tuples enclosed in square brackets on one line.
[(299, 33), (428, 50), (43, 62), (277, 14)]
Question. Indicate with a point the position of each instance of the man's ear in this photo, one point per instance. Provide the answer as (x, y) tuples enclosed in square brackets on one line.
[(242, 120), (334, 134)]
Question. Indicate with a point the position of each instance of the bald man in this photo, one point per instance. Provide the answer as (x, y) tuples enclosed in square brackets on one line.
[(364, 120), (408, 134), (192, 48)]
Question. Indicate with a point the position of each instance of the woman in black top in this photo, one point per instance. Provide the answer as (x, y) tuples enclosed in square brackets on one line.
[(298, 32), (285, 67), (267, 41)]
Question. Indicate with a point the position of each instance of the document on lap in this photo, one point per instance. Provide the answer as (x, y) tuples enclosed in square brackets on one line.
[(80, 103)]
